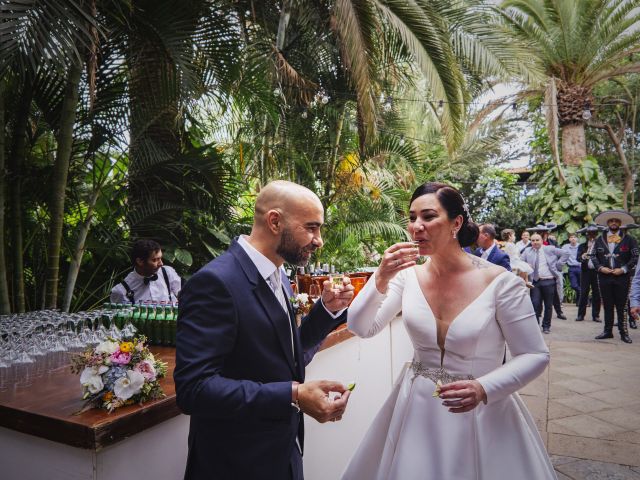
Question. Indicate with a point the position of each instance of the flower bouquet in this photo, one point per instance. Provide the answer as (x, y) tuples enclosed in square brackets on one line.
[(117, 373), (301, 306)]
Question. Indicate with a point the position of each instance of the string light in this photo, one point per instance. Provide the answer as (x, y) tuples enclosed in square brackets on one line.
[(586, 113), (304, 113), (277, 92), (387, 105), (440, 108), (383, 98)]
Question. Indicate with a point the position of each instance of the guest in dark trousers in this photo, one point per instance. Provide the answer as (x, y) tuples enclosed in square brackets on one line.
[(489, 250), (588, 275), (574, 265), (545, 261), (544, 230), (616, 256)]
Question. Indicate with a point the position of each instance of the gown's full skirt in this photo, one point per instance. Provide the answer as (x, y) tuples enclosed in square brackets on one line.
[(415, 437)]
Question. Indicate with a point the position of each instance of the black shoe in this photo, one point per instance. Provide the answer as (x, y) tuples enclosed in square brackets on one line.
[(604, 335), (632, 323), (561, 316), (579, 319), (546, 330), (625, 338), (597, 320)]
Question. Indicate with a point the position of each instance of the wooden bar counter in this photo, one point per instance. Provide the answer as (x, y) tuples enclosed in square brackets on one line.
[(43, 436), (48, 407)]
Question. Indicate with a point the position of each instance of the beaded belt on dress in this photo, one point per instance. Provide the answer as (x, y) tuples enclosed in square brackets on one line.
[(435, 374)]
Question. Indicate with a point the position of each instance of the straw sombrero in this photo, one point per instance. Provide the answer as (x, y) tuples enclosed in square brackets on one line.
[(622, 215)]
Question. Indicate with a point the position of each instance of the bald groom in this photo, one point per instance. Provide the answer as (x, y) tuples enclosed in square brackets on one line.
[(240, 358)]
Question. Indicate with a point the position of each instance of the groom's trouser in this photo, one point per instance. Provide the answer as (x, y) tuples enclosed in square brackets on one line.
[(542, 294)]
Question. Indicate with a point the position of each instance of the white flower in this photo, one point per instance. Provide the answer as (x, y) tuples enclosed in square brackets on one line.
[(302, 298), (91, 378), (108, 347), (126, 387)]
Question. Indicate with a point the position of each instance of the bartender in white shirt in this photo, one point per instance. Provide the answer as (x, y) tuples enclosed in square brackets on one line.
[(150, 280)]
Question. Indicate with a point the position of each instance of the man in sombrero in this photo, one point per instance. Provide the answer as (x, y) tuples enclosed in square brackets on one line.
[(616, 255)]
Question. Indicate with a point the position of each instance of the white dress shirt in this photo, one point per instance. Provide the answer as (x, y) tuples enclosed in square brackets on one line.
[(155, 291), (487, 252)]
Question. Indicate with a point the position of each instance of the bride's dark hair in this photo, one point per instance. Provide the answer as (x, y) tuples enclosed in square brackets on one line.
[(452, 201)]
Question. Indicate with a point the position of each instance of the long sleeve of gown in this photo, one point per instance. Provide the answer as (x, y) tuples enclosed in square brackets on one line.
[(371, 310), (530, 355)]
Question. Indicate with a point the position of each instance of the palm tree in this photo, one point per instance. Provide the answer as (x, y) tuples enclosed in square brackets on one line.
[(579, 44)]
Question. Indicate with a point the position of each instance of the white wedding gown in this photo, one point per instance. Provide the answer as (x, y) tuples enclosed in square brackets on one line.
[(414, 437)]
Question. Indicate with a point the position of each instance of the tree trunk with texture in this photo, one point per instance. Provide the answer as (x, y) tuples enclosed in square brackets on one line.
[(5, 306), (59, 182), (16, 160), (574, 144)]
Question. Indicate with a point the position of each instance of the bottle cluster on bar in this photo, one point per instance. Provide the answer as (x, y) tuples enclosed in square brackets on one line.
[(156, 321)]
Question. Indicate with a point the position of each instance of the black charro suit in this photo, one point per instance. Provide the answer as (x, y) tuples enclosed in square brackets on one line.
[(234, 369), (588, 282), (614, 290)]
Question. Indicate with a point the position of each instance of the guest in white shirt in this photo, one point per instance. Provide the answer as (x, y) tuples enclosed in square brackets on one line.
[(150, 280), (523, 242)]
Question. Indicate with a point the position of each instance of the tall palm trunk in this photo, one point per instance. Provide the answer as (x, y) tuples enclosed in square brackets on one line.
[(5, 306), (574, 144), (78, 251), (59, 182), (16, 160)]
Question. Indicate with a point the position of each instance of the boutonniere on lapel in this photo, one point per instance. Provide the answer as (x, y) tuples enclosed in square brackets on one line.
[(624, 248), (301, 306)]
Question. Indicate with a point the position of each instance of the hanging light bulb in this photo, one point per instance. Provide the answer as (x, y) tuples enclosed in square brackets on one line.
[(586, 113), (277, 92), (402, 140), (387, 106), (440, 108), (514, 106), (304, 113), (324, 99)]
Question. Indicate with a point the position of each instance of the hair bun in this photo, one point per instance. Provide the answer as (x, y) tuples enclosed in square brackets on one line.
[(468, 234)]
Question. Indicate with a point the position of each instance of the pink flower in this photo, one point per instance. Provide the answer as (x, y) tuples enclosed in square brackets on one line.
[(147, 370), (120, 358)]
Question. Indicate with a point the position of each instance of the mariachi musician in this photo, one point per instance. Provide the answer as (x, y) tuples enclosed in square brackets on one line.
[(588, 273), (615, 257)]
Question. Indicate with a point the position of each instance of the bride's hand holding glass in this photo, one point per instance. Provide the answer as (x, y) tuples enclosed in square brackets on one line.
[(462, 396), (397, 257)]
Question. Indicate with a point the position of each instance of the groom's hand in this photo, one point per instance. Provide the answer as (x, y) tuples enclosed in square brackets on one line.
[(335, 299), (314, 400)]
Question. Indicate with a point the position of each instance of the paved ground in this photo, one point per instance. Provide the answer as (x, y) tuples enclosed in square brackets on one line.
[(587, 403)]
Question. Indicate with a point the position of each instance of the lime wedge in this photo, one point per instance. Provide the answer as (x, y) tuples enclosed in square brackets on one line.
[(351, 386)]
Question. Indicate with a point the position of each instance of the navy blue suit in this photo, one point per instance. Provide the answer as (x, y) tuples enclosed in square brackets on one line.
[(234, 368), (498, 257)]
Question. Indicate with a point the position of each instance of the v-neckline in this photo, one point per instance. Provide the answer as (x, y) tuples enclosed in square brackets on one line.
[(446, 335)]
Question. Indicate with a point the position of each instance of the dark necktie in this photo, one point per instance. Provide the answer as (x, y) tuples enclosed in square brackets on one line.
[(536, 267), (152, 278)]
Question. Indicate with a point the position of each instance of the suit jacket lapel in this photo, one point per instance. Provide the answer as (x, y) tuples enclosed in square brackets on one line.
[(299, 360), (274, 312)]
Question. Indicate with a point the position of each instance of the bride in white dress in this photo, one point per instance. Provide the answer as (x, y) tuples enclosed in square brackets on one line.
[(459, 311)]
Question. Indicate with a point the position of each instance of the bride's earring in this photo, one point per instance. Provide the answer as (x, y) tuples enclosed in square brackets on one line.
[(455, 233)]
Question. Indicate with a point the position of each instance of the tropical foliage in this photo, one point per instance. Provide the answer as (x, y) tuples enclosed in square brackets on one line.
[(579, 44), (164, 118)]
